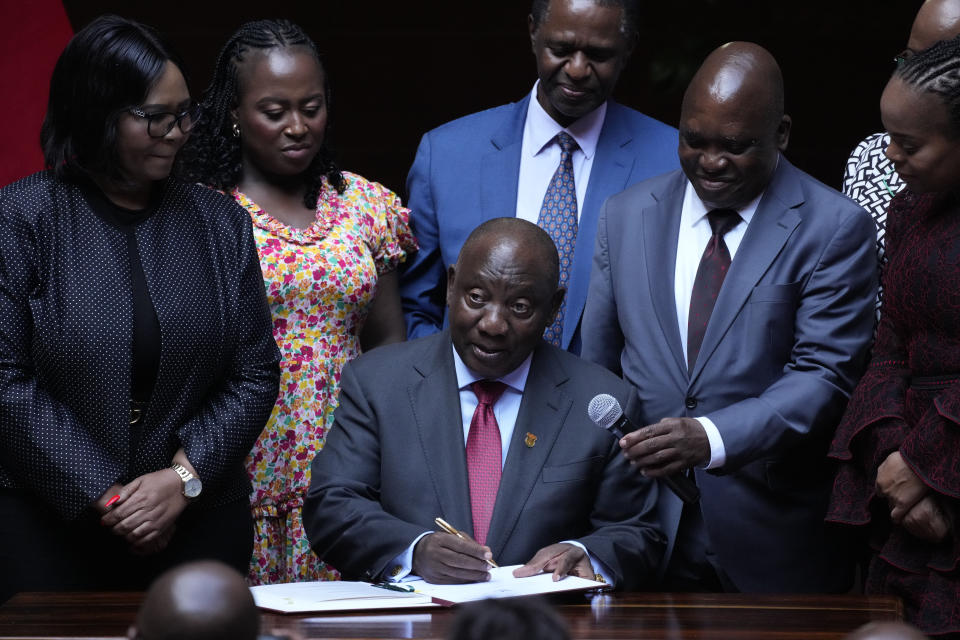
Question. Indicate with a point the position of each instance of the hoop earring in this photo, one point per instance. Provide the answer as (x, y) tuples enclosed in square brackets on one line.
[(236, 130)]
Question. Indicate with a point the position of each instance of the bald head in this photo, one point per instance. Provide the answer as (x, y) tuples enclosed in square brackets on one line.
[(937, 20), (743, 72), (886, 631), (732, 125), (198, 601), (528, 238)]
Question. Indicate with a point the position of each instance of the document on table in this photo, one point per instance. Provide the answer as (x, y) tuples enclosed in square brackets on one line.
[(339, 595), (308, 597), (502, 584)]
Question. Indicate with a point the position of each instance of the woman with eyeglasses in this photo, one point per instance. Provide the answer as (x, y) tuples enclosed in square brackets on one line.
[(330, 242), (898, 445), (137, 365)]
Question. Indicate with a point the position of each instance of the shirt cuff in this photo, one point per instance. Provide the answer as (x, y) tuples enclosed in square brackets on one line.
[(718, 453), (599, 568), (401, 566)]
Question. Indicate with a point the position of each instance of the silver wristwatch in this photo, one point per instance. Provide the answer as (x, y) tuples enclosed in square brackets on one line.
[(191, 483)]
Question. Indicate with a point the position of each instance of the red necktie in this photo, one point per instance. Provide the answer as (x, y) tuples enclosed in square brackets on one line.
[(710, 274), (484, 456)]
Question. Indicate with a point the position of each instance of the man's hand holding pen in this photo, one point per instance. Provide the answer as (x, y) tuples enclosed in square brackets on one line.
[(444, 558), (453, 557)]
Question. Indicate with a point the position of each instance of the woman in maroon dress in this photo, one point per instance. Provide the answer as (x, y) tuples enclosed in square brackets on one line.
[(899, 442)]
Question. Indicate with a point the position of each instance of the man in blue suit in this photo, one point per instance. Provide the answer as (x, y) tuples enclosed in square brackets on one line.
[(503, 161), (736, 296)]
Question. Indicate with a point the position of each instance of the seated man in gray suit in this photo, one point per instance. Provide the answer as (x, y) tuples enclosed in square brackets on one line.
[(484, 425), (736, 296)]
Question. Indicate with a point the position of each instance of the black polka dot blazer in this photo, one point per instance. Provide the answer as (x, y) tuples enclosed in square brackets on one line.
[(66, 326)]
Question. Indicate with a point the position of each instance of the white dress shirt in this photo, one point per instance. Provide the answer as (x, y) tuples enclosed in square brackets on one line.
[(505, 409), (695, 233), (540, 155)]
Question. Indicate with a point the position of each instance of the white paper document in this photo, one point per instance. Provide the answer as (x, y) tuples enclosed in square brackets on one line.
[(502, 584), (308, 597)]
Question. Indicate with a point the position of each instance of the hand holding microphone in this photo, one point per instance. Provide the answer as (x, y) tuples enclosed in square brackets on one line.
[(605, 411)]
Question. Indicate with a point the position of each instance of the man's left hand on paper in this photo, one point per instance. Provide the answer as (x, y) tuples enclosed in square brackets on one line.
[(562, 559)]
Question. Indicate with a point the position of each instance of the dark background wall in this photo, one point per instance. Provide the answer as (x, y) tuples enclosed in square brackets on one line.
[(399, 68)]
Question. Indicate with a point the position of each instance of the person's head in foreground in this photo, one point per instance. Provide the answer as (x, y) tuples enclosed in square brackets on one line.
[(508, 619), (886, 631), (203, 600)]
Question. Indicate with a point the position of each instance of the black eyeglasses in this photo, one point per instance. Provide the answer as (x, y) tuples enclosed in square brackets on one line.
[(161, 123)]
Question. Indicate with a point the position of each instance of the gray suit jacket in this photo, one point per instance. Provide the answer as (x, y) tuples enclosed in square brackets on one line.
[(394, 460), (785, 345)]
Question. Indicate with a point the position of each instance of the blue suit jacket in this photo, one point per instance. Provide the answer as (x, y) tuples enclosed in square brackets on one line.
[(466, 172), (395, 459), (786, 344)]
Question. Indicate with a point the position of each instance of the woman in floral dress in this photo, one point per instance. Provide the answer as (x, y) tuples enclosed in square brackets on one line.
[(329, 244)]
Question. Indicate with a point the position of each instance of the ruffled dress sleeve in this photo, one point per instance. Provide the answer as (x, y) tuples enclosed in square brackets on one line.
[(873, 427), (875, 422), (928, 447), (386, 223)]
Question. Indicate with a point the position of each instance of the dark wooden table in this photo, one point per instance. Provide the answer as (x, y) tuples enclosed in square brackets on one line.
[(625, 615)]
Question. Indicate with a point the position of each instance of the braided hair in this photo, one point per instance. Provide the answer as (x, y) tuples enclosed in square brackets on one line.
[(212, 155), (937, 70)]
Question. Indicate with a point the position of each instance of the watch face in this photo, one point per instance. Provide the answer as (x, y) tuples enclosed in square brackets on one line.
[(192, 487)]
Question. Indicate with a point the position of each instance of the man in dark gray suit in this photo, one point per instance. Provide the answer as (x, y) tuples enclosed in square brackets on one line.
[(544, 486), (736, 296)]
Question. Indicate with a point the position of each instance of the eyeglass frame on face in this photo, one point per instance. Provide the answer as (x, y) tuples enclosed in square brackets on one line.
[(191, 113)]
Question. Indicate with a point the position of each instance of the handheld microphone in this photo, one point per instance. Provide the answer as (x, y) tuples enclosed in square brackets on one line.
[(606, 413)]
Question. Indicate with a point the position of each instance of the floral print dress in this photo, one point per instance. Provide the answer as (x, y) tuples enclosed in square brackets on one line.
[(320, 282)]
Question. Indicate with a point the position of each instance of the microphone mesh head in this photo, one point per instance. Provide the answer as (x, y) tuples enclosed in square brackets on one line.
[(604, 410)]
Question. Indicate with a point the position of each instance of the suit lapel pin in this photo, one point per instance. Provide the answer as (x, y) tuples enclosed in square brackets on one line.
[(530, 440)]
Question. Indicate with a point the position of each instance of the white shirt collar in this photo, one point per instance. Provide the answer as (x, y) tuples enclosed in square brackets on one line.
[(516, 379), (542, 129), (699, 210)]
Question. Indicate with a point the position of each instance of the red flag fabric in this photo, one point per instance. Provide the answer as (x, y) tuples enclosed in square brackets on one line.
[(35, 33)]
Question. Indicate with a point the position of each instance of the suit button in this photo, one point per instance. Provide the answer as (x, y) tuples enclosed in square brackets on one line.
[(691, 403)]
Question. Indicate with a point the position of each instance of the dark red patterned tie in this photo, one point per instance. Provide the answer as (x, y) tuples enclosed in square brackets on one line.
[(484, 455), (710, 274)]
